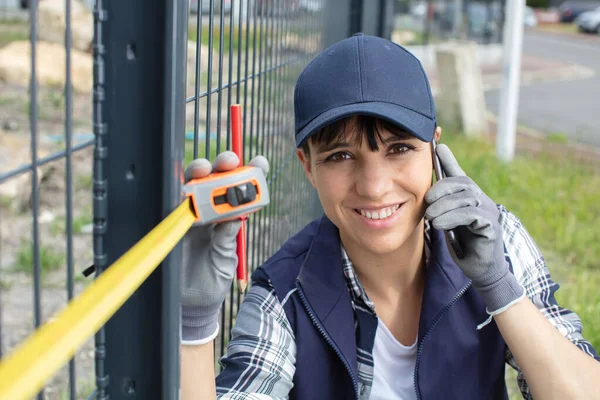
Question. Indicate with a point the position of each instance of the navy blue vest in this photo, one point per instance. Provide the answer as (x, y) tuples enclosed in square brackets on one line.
[(454, 359)]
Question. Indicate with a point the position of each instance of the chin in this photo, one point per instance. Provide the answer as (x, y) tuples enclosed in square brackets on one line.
[(381, 245)]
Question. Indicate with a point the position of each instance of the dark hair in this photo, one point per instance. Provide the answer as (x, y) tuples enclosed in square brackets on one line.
[(364, 126)]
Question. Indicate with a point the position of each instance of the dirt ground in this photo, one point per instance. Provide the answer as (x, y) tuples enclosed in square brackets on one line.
[(16, 262)]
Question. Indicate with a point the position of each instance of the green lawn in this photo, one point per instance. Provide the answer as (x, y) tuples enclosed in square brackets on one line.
[(252, 40), (50, 259), (189, 148), (558, 28), (557, 201)]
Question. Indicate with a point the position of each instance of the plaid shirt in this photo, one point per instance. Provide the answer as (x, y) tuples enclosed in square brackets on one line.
[(263, 340)]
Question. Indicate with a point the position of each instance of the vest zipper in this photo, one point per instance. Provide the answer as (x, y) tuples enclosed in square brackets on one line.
[(438, 318), (328, 339)]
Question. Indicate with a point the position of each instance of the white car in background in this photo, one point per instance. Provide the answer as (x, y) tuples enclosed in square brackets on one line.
[(589, 21)]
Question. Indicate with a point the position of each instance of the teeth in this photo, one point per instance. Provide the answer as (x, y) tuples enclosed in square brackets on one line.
[(380, 214)]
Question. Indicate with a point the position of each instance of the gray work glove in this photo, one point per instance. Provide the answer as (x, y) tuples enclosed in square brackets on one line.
[(456, 202), (209, 260)]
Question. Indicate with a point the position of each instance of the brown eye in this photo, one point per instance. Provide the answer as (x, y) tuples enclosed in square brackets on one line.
[(341, 156), (400, 148)]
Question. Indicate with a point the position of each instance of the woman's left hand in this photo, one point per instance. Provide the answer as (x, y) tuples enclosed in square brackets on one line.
[(456, 202)]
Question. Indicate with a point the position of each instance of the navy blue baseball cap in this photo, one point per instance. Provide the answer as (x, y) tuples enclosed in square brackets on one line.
[(364, 75)]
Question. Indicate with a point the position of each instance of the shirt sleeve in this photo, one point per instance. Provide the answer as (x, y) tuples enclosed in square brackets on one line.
[(259, 363), (529, 267)]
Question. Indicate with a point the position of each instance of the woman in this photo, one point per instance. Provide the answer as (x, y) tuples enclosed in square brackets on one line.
[(368, 301)]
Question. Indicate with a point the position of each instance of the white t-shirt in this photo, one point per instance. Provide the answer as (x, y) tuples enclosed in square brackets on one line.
[(394, 367)]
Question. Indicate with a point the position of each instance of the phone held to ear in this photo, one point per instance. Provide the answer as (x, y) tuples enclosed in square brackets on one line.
[(439, 174)]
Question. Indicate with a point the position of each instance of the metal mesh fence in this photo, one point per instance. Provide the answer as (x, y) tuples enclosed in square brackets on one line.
[(251, 54), (45, 179), (248, 52)]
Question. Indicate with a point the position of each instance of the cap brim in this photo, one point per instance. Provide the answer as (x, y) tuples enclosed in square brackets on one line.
[(414, 123)]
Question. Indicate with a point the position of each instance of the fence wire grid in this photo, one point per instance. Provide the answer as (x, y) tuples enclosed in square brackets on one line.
[(254, 52), (246, 52)]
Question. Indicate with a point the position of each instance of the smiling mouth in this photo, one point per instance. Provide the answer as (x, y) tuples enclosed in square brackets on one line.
[(382, 213)]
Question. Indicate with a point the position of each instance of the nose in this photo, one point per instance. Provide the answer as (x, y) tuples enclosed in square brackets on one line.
[(374, 178)]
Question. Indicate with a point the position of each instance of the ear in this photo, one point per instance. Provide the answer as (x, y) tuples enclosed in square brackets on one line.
[(306, 165), (438, 133)]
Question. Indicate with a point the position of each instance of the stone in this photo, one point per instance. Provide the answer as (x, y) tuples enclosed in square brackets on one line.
[(10, 125), (46, 216), (461, 103), (89, 228), (52, 24), (15, 66)]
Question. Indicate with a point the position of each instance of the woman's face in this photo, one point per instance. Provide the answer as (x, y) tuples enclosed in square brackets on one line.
[(374, 197)]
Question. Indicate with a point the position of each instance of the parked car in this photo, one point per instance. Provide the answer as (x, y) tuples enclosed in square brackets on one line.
[(206, 6), (571, 9), (589, 21)]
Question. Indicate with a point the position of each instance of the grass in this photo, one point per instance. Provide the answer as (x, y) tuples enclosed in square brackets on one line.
[(79, 278), (189, 148), (79, 221), (42, 111), (5, 201), (84, 390), (558, 28), (7, 36), (205, 36), (84, 182), (50, 259), (557, 137), (14, 21), (557, 201), (13, 29), (5, 101)]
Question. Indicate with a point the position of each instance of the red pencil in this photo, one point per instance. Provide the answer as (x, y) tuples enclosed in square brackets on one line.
[(236, 146)]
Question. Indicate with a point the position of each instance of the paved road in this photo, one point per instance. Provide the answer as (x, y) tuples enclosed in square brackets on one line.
[(569, 107)]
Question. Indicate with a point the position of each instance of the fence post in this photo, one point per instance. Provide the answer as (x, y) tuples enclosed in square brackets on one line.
[(340, 11), (139, 115), (173, 155), (351, 16)]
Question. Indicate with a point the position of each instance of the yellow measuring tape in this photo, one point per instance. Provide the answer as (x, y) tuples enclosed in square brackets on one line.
[(25, 371)]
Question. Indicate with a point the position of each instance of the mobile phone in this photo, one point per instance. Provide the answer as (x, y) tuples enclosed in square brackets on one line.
[(439, 175)]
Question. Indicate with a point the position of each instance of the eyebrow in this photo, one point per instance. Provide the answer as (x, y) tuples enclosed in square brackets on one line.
[(333, 146), (401, 136), (345, 144)]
